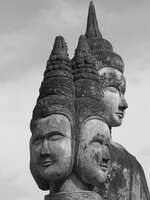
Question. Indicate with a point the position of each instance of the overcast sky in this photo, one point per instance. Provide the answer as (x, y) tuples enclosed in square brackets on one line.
[(27, 33)]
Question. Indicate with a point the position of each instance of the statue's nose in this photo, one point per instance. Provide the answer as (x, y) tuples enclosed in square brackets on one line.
[(106, 154), (45, 148), (123, 104)]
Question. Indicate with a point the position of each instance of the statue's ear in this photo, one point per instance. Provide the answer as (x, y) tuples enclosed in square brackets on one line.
[(42, 183)]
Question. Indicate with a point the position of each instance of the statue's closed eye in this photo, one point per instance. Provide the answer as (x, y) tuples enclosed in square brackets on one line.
[(97, 139), (51, 136), (112, 89), (37, 140), (55, 135)]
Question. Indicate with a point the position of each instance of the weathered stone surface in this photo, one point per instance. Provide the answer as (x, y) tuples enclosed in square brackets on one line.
[(127, 177), (51, 148), (93, 158)]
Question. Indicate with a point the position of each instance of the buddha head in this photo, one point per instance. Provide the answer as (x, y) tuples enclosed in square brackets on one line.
[(110, 67), (51, 148), (113, 86), (93, 159), (52, 144)]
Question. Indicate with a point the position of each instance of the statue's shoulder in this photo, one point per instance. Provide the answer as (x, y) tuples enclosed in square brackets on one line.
[(136, 175), (119, 150), (117, 145)]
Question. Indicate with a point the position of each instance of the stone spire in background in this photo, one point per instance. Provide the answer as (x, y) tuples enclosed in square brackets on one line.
[(92, 29), (101, 48)]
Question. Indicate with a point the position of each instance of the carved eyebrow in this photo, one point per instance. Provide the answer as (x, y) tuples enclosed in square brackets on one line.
[(37, 134)]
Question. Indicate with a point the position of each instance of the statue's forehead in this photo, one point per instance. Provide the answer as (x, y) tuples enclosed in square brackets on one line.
[(109, 72), (112, 77), (54, 122), (93, 126)]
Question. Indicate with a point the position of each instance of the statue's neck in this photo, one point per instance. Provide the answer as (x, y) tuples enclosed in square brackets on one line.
[(73, 183), (80, 195), (73, 188)]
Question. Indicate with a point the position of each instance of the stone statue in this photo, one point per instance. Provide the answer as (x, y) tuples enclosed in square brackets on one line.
[(127, 180), (69, 147)]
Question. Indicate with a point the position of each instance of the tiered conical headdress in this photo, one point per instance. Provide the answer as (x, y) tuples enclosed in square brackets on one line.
[(87, 83), (57, 88), (100, 47)]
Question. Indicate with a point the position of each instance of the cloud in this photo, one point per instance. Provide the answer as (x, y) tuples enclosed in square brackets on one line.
[(16, 109), (30, 44), (18, 14)]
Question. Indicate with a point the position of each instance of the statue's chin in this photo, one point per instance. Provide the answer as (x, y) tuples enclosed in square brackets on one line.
[(114, 121), (101, 176), (89, 169), (54, 173), (94, 176)]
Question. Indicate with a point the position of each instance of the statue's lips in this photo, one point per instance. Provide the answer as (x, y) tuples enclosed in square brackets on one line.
[(120, 114), (46, 163), (104, 167)]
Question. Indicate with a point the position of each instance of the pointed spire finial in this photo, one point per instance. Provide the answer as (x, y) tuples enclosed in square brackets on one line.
[(82, 51), (82, 44), (60, 49), (82, 55), (92, 30)]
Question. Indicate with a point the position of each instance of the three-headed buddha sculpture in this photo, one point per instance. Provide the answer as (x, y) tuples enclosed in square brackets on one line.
[(69, 147)]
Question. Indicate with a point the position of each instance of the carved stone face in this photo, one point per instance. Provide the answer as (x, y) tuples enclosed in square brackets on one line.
[(93, 161), (50, 147), (113, 84)]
